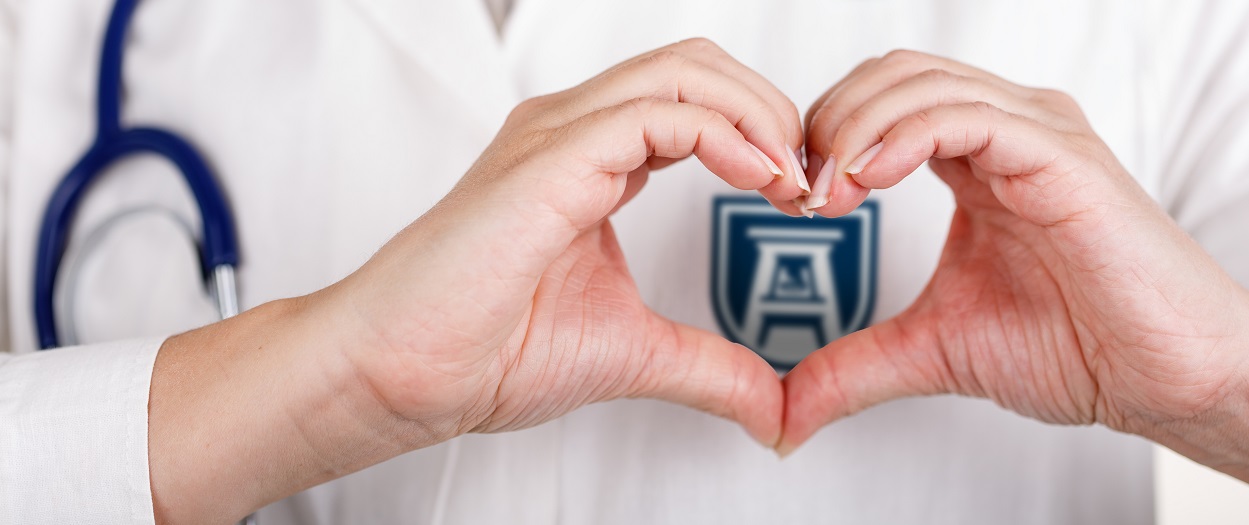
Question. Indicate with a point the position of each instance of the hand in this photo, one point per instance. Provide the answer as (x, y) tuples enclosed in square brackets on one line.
[(507, 305), (1064, 292)]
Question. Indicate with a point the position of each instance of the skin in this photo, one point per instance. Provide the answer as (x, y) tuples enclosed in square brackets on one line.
[(507, 305), (1064, 292)]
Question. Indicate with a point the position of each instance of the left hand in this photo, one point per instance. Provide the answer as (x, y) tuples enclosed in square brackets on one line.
[(1064, 293)]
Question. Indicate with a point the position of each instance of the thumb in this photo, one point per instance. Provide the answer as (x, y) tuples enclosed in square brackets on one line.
[(704, 371), (895, 359)]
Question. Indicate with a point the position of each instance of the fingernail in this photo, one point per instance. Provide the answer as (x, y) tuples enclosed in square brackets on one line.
[(800, 175), (801, 203), (822, 191), (814, 163), (786, 212), (857, 166), (772, 167), (764, 442), (783, 451)]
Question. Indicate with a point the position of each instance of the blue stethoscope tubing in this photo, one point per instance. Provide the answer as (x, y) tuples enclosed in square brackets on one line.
[(219, 254)]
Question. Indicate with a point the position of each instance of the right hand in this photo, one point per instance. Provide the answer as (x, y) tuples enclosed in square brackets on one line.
[(509, 303), (506, 305)]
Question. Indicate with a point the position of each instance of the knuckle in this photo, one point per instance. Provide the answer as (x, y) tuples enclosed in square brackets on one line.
[(830, 392), (817, 114), (792, 110), (985, 109), (711, 116), (902, 57), (545, 112), (640, 107), (924, 119), (528, 112), (988, 114), (1059, 102), (857, 122), (938, 76), (666, 59), (709, 119), (818, 122), (1053, 96), (863, 66), (700, 44), (867, 63), (527, 108)]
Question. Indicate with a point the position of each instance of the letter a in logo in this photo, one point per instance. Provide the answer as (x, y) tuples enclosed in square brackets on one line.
[(786, 286)]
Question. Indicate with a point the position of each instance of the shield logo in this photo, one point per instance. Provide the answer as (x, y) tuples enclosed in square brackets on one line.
[(786, 286)]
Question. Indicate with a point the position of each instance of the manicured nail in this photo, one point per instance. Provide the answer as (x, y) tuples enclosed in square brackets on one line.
[(772, 167), (814, 163), (789, 213), (769, 442), (783, 451), (857, 166), (822, 191), (801, 203), (800, 175)]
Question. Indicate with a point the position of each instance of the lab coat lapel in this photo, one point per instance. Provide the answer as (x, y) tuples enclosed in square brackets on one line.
[(455, 41)]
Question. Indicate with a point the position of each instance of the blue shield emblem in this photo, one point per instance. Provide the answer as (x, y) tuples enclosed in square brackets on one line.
[(786, 286)]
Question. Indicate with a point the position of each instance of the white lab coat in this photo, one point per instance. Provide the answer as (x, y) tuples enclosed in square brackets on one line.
[(333, 123)]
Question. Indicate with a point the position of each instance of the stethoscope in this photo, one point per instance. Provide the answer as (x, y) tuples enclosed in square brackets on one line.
[(219, 245)]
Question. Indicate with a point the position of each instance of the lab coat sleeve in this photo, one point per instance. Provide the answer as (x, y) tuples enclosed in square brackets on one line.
[(73, 435), (73, 422), (1203, 117)]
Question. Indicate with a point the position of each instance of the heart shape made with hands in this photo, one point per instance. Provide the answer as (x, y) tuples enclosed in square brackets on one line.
[(1055, 266), (1063, 292)]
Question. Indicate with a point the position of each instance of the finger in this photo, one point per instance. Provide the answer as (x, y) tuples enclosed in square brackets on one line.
[(673, 74), (957, 174), (704, 371), (1001, 144), (793, 207), (860, 370), (637, 180), (875, 76), (618, 140), (657, 163), (827, 115), (721, 61), (822, 173), (849, 78), (822, 168), (830, 181), (869, 123), (779, 196)]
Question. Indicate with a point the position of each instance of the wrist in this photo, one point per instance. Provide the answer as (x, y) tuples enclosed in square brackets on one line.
[(1215, 439), (1219, 437), (255, 408)]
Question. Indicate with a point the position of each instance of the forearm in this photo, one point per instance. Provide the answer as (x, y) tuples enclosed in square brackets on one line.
[(258, 407), (250, 410)]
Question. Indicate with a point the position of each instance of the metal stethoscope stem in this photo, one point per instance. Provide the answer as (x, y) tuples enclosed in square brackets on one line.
[(218, 246)]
